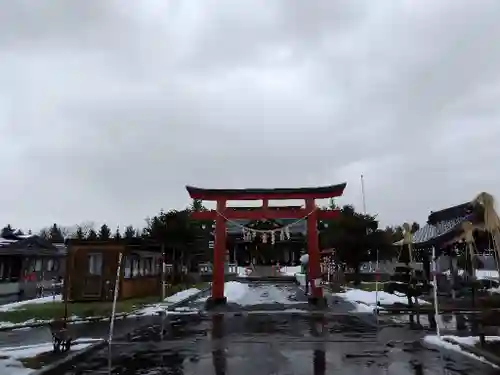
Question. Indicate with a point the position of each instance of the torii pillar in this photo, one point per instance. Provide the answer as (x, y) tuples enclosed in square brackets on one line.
[(311, 213)]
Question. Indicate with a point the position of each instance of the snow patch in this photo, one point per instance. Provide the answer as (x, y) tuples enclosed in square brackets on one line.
[(471, 340), (366, 301), (10, 356), (182, 295), (16, 305), (481, 274), (163, 306), (440, 342), (245, 295)]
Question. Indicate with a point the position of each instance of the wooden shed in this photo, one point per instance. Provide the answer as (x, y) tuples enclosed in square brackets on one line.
[(92, 266)]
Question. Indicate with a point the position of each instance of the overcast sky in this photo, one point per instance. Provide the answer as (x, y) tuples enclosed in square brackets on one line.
[(109, 108)]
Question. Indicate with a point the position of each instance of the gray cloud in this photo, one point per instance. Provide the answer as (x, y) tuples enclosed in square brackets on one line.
[(107, 110)]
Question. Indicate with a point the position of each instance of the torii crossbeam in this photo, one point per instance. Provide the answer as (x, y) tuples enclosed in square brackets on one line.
[(222, 213)]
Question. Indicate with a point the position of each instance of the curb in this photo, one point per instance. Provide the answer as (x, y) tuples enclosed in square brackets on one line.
[(57, 367), (119, 316), (490, 357), (71, 321)]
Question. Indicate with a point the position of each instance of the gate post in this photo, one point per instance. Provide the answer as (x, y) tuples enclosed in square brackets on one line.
[(313, 251), (219, 257)]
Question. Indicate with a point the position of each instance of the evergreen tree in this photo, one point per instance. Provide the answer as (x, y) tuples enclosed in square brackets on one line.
[(177, 232), (104, 232), (415, 227), (129, 232), (92, 235), (118, 235), (30, 232), (7, 231), (79, 234), (357, 239), (55, 234), (196, 206), (44, 233)]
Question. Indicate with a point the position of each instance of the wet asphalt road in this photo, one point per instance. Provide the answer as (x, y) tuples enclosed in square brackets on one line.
[(277, 339)]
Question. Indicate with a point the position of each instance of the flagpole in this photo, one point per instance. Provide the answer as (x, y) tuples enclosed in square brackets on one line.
[(363, 193), (434, 290), (377, 259)]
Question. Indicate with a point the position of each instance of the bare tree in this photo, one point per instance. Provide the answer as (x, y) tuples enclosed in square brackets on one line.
[(80, 230)]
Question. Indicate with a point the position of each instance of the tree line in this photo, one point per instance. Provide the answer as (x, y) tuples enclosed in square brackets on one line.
[(355, 236)]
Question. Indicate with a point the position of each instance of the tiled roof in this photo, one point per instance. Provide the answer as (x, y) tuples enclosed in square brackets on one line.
[(28, 245), (450, 213), (431, 232), (6, 242)]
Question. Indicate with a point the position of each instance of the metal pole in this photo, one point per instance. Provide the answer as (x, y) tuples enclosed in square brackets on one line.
[(113, 311), (363, 193), (376, 288), (163, 273), (434, 279)]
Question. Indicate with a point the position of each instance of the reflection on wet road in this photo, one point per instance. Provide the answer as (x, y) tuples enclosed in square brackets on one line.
[(276, 343)]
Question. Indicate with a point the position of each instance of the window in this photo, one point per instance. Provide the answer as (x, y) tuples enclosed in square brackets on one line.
[(141, 267), (135, 267), (127, 268), (50, 265), (95, 264), (38, 265), (148, 266)]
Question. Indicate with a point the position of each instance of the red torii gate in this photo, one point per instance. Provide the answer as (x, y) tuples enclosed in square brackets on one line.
[(310, 212)]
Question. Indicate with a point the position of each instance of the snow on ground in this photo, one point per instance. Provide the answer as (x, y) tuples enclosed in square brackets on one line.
[(183, 294), (470, 340), (10, 356), (486, 274), (245, 295), (290, 270), (480, 274), (163, 306), (16, 305), (440, 342), (365, 301)]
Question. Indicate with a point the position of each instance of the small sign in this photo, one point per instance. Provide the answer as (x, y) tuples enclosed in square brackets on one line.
[(210, 244)]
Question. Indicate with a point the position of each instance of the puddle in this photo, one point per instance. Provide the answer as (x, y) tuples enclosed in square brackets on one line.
[(266, 330), (276, 344)]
